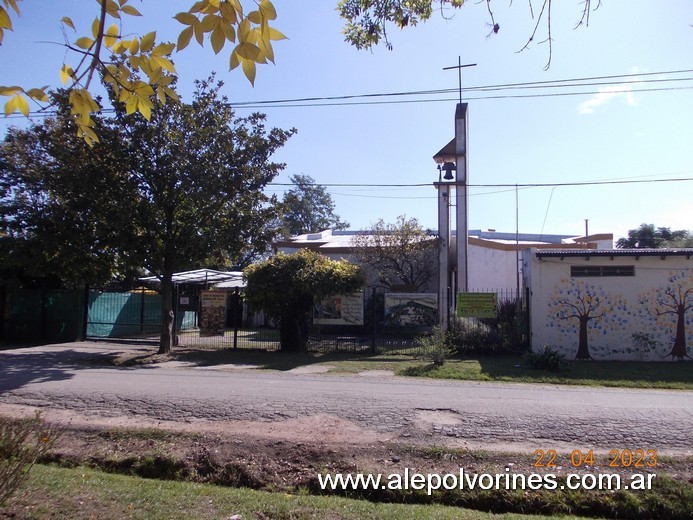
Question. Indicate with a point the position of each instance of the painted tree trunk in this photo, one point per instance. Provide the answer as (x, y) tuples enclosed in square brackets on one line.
[(583, 351), (679, 348)]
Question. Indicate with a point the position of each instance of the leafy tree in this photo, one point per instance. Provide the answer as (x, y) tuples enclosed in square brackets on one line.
[(309, 208), (285, 287), (367, 21), (144, 73), (190, 183), (65, 212), (647, 236), (403, 253)]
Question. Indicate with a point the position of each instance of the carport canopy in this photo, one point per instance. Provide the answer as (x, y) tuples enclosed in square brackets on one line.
[(204, 276)]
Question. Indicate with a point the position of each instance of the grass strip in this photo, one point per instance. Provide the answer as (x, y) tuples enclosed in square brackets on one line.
[(54, 492)]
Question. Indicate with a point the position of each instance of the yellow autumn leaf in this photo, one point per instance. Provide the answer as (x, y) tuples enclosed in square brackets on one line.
[(66, 74), (112, 8), (248, 51), (209, 22), (249, 69), (8, 91), (12, 4), (199, 34), (147, 41), (171, 93), (234, 60), (228, 12), (134, 46), (274, 34), (95, 28), (229, 31), (110, 36), (5, 22), (255, 17), (218, 39), (268, 10), (186, 18), (68, 21), (132, 11), (162, 63), (145, 108), (163, 49), (84, 42), (184, 38), (37, 94)]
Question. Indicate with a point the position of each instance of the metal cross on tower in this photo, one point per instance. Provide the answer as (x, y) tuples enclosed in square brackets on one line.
[(459, 68)]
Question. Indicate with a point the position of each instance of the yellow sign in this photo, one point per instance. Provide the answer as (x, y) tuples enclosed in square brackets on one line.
[(477, 305)]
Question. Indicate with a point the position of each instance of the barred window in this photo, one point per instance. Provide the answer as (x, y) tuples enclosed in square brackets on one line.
[(577, 271)]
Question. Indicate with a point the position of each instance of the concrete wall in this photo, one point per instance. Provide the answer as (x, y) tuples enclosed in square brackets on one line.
[(648, 316)]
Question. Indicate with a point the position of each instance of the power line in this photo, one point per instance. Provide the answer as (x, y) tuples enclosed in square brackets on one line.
[(532, 84), (344, 100), (512, 185)]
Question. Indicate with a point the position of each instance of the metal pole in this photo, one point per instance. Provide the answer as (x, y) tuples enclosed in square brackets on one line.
[(235, 319), (517, 242)]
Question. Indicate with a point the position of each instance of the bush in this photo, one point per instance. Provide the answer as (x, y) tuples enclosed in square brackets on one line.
[(22, 442), (491, 336), (474, 338), (435, 347), (548, 359)]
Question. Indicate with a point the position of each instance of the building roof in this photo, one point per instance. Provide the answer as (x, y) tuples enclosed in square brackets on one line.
[(203, 276), (687, 252), (340, 242)]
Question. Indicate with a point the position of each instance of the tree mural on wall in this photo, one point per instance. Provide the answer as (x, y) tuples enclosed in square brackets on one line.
[(669, 307), (579, 303)]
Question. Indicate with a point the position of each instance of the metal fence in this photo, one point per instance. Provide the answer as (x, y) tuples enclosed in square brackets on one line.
[(53, 316), (41, 315)]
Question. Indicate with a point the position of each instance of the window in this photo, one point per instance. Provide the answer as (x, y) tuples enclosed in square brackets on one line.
[(577, 271)]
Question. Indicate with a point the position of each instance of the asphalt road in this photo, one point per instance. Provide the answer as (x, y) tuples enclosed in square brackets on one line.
[(540, 416)]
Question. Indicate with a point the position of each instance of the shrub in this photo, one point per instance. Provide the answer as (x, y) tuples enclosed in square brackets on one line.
[(435, 347), (643, 343), (474, 338), (548, 359), (22, 442)]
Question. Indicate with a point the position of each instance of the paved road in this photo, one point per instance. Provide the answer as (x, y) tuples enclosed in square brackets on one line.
[(534, 415)]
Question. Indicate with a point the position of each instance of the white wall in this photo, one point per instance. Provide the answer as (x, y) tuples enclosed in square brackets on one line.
[(619, 306), (492, 269)]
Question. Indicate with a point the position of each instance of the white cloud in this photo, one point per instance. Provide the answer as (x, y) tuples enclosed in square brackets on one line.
[(611, 93), (606, 95)]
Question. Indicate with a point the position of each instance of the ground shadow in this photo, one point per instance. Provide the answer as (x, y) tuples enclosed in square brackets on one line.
[(28, 365)]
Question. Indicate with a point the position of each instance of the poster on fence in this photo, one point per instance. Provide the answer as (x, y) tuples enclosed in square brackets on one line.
[(345, 309), (411, 309), (476, 305), (212, 313)]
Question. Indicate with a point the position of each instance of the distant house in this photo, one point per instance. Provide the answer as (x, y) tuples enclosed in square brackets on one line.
[(494, 257)]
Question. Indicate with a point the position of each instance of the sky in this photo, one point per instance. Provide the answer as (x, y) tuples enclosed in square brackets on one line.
[(596, 133)]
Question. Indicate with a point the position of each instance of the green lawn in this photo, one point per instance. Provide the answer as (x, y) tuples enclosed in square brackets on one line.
[(630, 374), (53, 492)]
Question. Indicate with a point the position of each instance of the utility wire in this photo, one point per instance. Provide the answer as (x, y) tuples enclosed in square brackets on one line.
[(561, 83), (527, 185), (532, 84)]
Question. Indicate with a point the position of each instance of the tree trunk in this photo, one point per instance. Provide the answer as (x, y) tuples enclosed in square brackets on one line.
[(583, 351), (167, 317), (679, 348), (293, 328)]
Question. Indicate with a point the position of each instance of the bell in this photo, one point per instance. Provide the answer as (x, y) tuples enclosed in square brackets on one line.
[(448, 167)]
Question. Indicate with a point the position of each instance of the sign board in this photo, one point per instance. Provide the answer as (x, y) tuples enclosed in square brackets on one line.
[(405, 309), (346, 309), (212, 313), (477, 305)]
